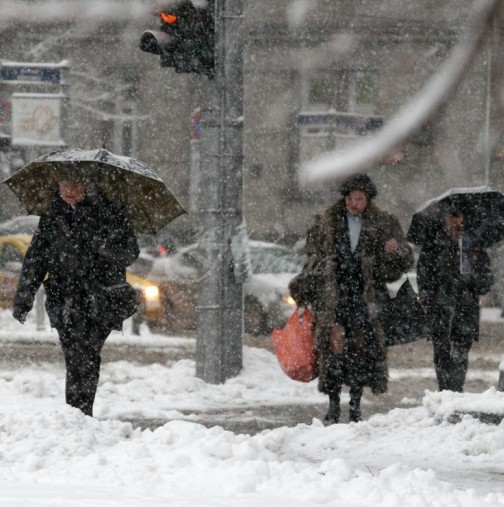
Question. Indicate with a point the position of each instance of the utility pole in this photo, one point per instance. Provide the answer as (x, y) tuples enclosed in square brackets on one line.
[(206, 38), (220, 299)]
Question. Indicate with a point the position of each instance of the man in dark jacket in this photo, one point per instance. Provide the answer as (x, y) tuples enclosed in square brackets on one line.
[(453, 271), (353, 249), (83, 243)]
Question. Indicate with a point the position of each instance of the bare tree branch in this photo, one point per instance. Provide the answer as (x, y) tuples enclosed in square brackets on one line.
[(414, 115)]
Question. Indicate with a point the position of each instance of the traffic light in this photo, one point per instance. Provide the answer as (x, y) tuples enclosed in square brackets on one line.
[(185, 40)]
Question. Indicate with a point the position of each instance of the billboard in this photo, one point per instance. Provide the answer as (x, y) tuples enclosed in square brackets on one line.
[(36, 119)]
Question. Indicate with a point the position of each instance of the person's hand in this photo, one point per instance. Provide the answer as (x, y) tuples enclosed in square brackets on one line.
[(426, 301), (296, 293), (20, 312), (391, 246)]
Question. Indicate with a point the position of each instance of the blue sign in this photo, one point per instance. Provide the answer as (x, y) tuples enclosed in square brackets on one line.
[(362, 124), (30, 73)]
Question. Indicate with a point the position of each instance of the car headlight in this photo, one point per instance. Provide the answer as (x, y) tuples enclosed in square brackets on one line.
[(151, 293), (287, 298)]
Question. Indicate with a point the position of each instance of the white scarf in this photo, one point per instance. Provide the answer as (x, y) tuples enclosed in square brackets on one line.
[(354, 230)]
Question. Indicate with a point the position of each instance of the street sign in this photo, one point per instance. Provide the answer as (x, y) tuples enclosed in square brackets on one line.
[(31, 73), (356, 123)]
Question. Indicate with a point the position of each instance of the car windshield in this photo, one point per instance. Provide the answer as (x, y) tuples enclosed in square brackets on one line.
[(192, 263), (275, 259)]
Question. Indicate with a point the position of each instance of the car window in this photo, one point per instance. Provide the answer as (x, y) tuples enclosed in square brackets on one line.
[(193, 263), (194, 259), (9, 254), (198, 260)]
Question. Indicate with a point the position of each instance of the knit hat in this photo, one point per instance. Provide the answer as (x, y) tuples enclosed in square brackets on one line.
[(360, 182)]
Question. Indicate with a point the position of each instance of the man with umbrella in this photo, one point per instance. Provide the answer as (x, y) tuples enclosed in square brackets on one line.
[(83, 242), (89, 202), (453, 271)]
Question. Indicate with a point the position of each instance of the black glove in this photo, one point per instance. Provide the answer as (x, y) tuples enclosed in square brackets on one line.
[(426, 298), (297, 290), (19, 312)]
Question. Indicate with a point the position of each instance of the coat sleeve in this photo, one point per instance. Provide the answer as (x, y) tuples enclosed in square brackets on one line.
[(305, 287), (393, 265), (431, 276), (119, 245), (32, 274), (428, 275), (483, 278)]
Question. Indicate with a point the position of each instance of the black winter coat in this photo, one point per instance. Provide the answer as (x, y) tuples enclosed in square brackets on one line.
[(442, 286), (75, 251)]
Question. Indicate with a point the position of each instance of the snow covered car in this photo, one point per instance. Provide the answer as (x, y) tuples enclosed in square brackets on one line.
[(267, 303), (22, 224)]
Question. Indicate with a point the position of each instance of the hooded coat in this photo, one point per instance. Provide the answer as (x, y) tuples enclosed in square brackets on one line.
[(324, 282), (76, 251)]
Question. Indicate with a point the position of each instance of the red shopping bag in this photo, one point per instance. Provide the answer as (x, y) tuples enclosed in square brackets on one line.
[(294, 347)]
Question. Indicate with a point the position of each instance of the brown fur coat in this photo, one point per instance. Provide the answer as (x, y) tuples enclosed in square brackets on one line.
[(317, 287)]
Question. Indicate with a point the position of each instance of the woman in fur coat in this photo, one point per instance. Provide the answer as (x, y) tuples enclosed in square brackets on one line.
[(352, 250)]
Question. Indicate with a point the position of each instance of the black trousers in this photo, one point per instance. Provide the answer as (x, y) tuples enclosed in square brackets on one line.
[(82, 346), (454, 332), (451, 361)]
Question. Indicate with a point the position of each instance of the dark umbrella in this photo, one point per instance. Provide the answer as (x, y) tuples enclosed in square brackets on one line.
[(483, 210), (148, 201)]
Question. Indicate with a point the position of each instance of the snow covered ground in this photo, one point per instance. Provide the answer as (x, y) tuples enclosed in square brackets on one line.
[(51, 454)]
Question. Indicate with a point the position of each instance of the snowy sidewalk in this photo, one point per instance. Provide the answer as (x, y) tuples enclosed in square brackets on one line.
[(51, 454), (129, 360)]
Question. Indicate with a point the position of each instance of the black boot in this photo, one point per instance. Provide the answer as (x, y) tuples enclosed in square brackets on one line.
[(333, 415), (354, 414), (460, 363), (443, 376)]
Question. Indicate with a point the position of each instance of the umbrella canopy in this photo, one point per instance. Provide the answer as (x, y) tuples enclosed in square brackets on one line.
[(148, 201), (483, 210)]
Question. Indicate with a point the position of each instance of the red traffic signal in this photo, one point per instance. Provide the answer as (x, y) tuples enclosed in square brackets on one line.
[(168, 18), (185, 39)]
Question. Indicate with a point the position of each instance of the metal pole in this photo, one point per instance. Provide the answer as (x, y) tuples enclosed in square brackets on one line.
[(220, 297), (40, 310), (487, 144)]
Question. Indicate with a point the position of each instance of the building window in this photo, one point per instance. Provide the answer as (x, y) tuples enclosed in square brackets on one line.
[(339, 109), (321, 94), (343, 90), (362, 93)]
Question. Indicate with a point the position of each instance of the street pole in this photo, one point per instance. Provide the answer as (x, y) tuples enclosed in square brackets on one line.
[(220, 298)]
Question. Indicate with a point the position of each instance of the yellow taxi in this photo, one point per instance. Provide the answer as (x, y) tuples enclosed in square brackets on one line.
[(12, 251)]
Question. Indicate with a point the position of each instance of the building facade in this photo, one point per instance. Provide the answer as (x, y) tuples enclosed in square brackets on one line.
[(318, 75)]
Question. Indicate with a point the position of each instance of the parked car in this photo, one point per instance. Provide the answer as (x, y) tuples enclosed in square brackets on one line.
[(22, 224), (12, 251), (267, 303)]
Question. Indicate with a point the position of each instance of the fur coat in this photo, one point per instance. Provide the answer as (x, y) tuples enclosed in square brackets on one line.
[(319, 286)]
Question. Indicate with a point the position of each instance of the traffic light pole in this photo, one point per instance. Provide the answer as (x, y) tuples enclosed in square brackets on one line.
[(220, 299)]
